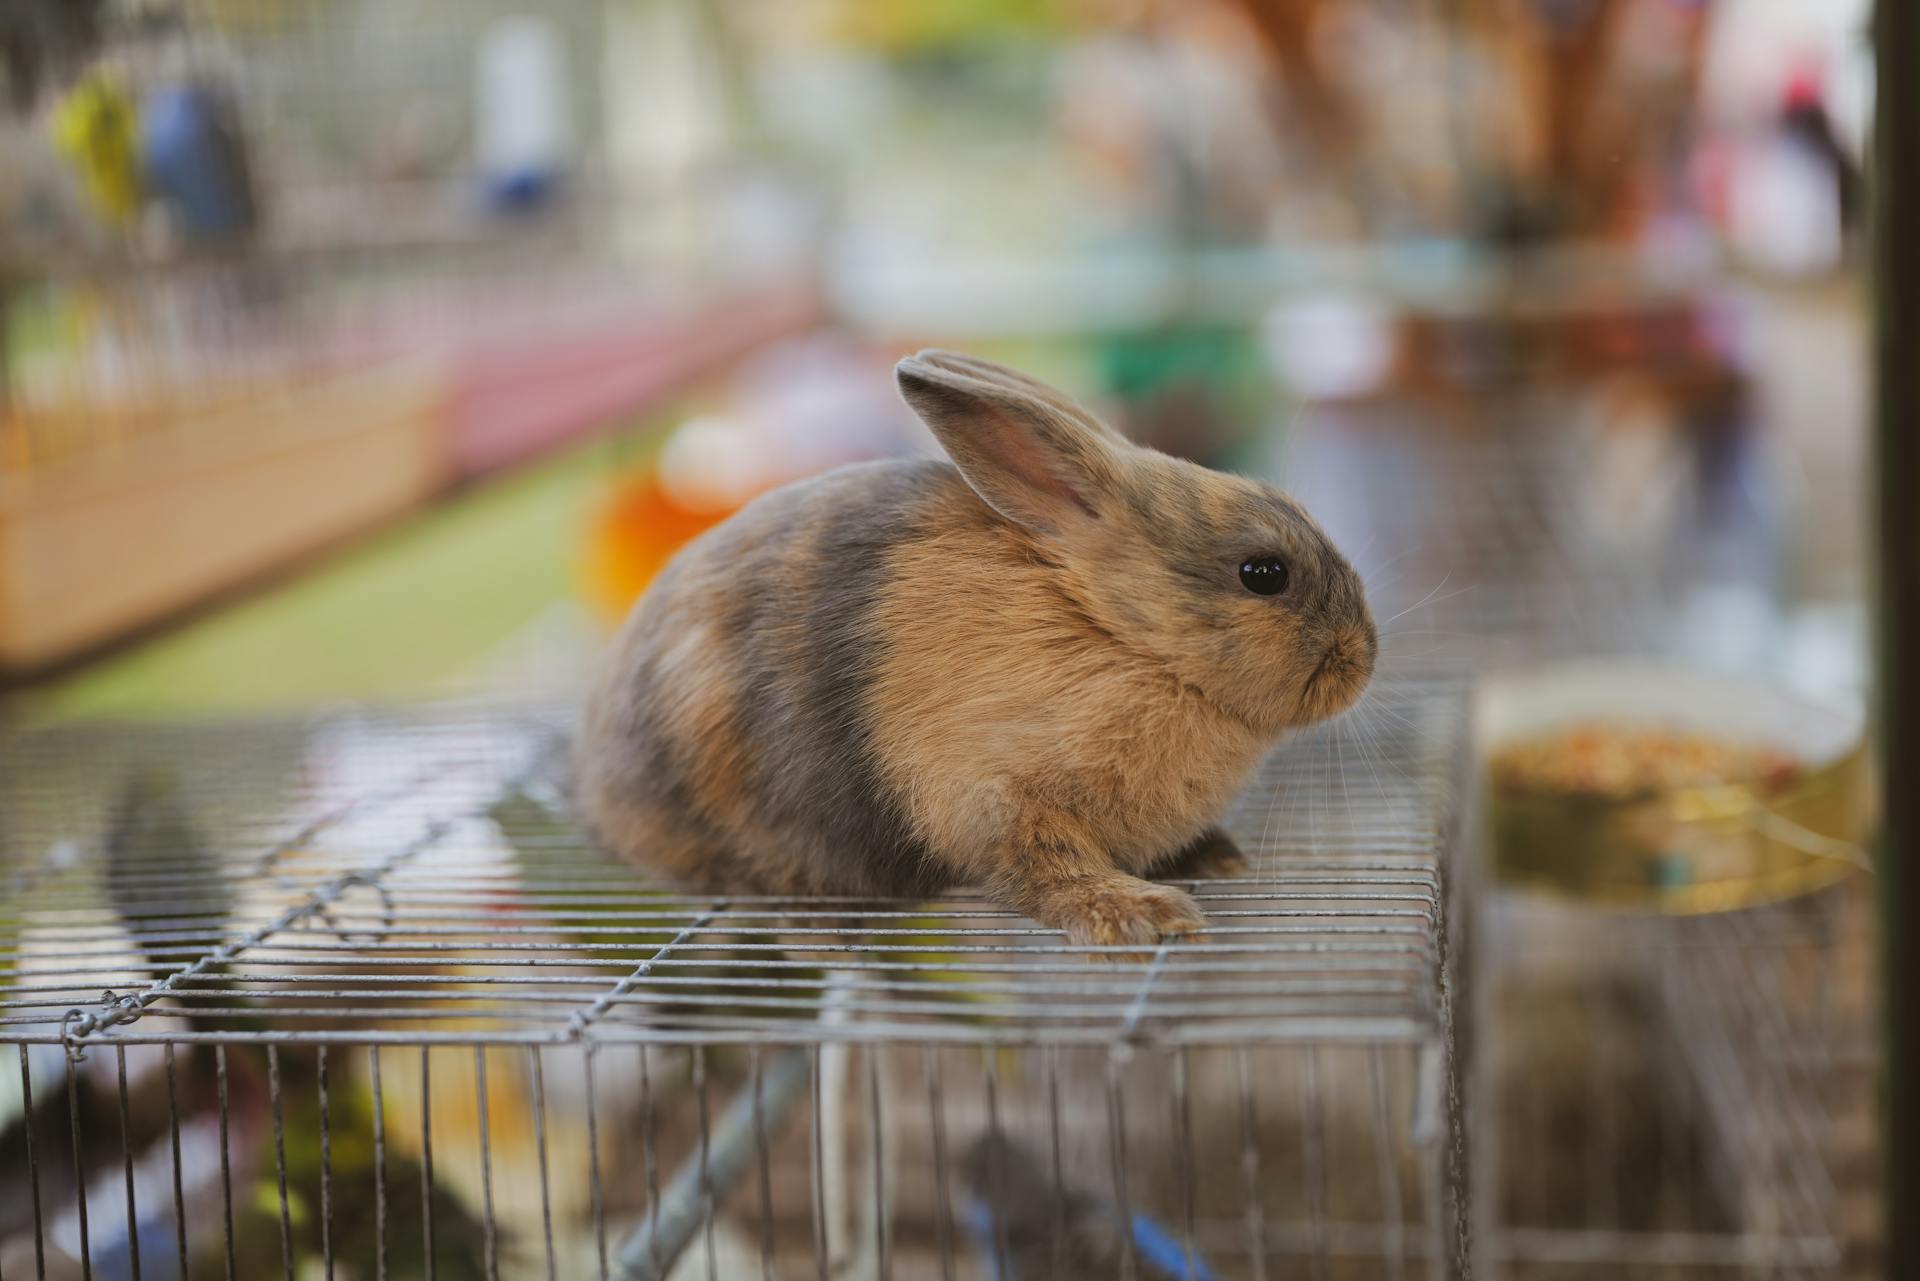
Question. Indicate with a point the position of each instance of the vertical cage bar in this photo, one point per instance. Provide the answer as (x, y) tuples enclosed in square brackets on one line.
[(1535, 1089), (379, 1165), (79, 1170), (594, 1189), (1675, 1186), (1434, 1193), (1250, 1166), (697, 1066), (426, 1162), (1597, 1097), (650, 1157), (280, 1159), (1394, 1245), (126, 1158), (1057, 1230), (326, 1165), (540, 1147), (937, 1126), (33, 1165), (226, 1155), (1183, 1131), (817, 1142), (179, 1189), (997, 1195), (483, 1126), (1313, 1143), (1117, 1152), (757, 1075), (874, 1124)]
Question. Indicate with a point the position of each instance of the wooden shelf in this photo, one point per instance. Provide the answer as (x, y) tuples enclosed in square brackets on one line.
[(94, 548)]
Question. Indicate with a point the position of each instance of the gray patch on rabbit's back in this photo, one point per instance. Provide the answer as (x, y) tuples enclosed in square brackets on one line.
[(809, 651)]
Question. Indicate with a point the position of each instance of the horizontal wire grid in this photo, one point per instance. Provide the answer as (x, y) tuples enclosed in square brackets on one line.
[(414, 878), (1491, 543)]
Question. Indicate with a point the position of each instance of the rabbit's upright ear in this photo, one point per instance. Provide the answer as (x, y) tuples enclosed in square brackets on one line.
[(989, 371), (1031, 460)]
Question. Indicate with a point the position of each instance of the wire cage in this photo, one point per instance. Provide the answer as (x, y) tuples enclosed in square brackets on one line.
[(353, 994), (349, 996), (1676, 1096), (1704, 1086)]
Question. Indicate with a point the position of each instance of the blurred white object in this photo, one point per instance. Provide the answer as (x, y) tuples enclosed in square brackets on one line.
[(1785, 207), (826, 403), (523, 123), (1637, 473), (800, 408), (666, 108), (1729, 627), (714, 464), (1329, 346), (1826, 649), (820, 97)]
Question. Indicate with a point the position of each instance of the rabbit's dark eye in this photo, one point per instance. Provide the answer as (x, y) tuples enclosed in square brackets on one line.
[(1264, 575)]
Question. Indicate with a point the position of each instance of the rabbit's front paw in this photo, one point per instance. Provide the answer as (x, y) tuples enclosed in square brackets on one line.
[(1126, 911)]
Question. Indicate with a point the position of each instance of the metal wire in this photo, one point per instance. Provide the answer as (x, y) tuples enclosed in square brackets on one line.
[(321, 906), (395, 918)]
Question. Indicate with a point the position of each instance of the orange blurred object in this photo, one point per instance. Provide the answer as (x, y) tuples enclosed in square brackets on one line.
[(636, 533)]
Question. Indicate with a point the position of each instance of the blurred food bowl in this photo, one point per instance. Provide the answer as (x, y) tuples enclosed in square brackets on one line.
[(1714, 793)]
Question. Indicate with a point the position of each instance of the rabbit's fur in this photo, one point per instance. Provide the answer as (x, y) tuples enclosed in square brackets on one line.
[(1034, 669)]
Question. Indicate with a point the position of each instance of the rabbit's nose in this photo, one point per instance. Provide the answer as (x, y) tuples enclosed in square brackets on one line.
[(1352, 654), (1364, 644)]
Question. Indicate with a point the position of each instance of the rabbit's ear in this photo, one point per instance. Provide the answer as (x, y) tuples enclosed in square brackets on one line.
[(1031, 462), (989, 371)]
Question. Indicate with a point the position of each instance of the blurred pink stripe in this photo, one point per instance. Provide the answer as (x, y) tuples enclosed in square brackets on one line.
[(518, 394)]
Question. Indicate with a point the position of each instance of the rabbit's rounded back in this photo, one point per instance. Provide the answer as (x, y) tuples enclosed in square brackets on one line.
[(906, 675), (727, 742)]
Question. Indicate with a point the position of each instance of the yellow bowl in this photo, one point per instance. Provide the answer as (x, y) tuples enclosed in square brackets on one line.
[(1681, 850)]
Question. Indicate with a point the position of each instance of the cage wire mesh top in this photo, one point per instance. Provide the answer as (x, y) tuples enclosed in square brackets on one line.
[(350, 957), (414, 876)]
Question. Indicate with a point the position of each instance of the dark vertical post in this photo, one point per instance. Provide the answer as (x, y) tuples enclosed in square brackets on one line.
[(1896, 286)]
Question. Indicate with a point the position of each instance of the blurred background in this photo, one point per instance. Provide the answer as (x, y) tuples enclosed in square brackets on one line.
[(357, 352), (370, 349)]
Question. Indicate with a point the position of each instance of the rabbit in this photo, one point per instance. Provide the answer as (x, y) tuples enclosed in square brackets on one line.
[(1042, 668)]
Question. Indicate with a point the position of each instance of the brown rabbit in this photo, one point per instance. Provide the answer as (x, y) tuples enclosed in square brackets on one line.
[(1043, 669)]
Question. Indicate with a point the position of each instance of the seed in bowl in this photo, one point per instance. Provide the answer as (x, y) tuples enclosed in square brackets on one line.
[(1608, 760)]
